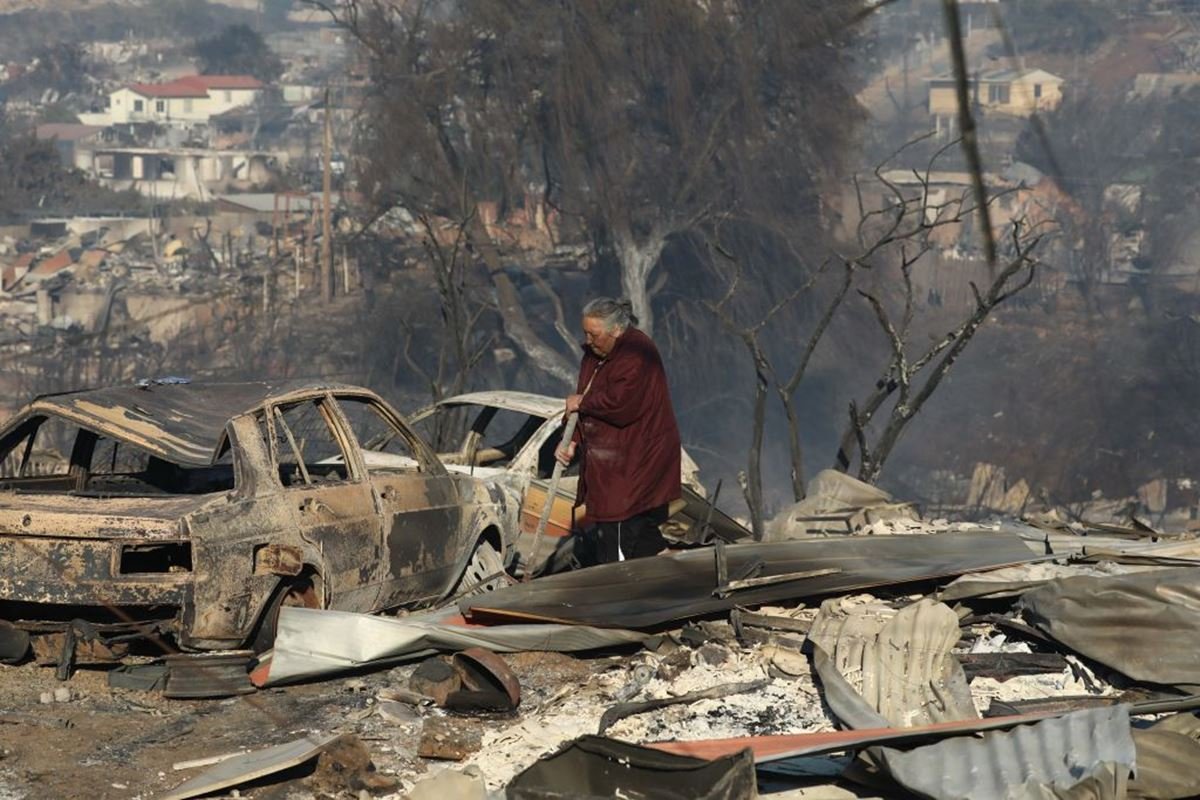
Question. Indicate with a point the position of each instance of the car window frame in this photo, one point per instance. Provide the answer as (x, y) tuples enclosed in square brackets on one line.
[(527, 459), (427, 462), (339, 427)]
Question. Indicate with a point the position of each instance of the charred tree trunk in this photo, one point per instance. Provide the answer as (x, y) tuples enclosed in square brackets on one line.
[(516, 322), (787, 391), (638, 260)]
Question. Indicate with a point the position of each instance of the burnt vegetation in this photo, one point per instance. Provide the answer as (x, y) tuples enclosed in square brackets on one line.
[(814, 309)]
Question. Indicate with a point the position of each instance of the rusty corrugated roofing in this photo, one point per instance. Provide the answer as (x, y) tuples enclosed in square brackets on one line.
[(782, 746), (48, 266)]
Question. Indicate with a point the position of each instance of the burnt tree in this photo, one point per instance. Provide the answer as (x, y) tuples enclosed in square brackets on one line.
[(899, 235), (768, 376), (434, 141), (702, 111)]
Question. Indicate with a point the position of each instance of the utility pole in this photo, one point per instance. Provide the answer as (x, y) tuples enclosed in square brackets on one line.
[(326, 227)]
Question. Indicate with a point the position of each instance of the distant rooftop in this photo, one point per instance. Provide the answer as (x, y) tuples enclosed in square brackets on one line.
[(1001, 76), (66, 131), (196, 85), (262, 202)]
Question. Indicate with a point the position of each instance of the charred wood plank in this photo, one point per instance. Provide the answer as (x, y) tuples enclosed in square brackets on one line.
[(623, 710), (1003, 666)]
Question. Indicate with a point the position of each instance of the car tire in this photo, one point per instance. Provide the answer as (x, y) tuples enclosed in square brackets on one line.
[(299, 591), (485, 561)]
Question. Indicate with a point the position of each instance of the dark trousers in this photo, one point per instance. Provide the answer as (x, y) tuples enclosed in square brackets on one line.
[(636, 537)]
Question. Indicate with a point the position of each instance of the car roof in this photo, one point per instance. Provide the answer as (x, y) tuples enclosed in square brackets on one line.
[(182, 422), (537, 405)]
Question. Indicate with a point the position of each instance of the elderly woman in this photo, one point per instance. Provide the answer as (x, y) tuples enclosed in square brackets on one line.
[(627, 436)]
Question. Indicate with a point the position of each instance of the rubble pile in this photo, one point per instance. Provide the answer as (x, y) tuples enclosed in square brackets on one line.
[(1045, 678), (1017, 659)]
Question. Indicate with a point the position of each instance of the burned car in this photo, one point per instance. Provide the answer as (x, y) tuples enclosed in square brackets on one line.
[(197, 510), (509, 438)]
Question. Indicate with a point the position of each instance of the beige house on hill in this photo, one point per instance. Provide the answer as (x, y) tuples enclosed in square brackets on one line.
[(191, 99), (1018, 92)]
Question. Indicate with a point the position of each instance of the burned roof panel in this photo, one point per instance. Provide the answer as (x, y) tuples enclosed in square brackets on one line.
[(1035, 760), (1145, 625), (1039, 760), (537, 405), (180, 422)]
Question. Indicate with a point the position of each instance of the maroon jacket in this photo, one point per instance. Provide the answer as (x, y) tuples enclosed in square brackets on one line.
[(627, 431)]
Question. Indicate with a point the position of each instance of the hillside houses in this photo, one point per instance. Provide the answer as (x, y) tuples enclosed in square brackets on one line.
[(1012, 92), (187, 100)]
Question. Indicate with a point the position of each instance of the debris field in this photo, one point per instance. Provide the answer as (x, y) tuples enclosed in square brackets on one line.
[(1014, 659)]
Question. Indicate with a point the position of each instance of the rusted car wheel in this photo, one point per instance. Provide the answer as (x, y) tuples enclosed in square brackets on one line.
[(484, 572), (301, 592)]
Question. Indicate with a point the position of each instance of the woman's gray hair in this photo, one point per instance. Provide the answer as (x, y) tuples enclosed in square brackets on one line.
[(613, 313)]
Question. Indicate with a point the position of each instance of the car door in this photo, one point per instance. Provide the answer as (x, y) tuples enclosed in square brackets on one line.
[(424, 539), (325, 481)]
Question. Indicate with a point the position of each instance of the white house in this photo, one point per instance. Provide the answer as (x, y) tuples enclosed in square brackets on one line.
[(166, 173), (193, 98)]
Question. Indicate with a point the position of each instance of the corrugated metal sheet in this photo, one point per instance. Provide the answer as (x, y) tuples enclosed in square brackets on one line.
[(652, 591), (596, 768), (249, 766), (780, 747), (1056, 753), (1014, 581), (1168, 753), (1104, 539), (1145, 625), (313, 642), (899, 662)]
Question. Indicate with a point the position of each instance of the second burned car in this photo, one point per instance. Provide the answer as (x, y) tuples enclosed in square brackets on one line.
[(508, 439)]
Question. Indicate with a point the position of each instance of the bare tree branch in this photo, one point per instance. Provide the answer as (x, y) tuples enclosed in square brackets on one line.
[(899, 373)]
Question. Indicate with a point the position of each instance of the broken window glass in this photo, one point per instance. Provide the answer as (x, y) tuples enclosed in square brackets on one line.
[(53, 455), (112, 458), (41, 448), (500, 435), (445, 428), (305, 447)]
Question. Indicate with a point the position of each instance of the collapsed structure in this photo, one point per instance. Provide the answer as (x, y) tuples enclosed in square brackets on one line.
[(1006, 660)]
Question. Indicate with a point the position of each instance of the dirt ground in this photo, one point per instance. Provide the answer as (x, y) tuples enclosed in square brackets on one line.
[(107, 743), (115, 743)]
